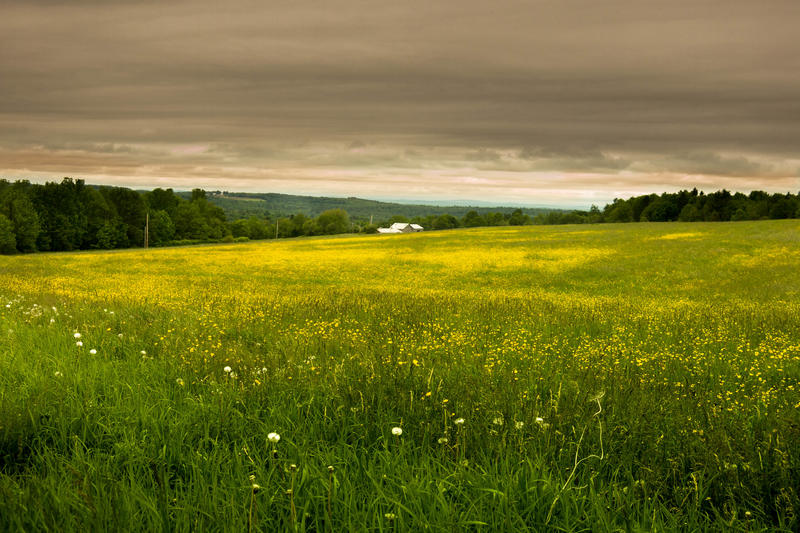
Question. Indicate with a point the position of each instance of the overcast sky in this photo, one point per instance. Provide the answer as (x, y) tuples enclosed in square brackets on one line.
[(563, 102)]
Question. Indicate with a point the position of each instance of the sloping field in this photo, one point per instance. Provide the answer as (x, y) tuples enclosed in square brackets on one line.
[(607, 377)]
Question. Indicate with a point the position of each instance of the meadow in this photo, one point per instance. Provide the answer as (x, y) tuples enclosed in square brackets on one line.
[(615, 377)]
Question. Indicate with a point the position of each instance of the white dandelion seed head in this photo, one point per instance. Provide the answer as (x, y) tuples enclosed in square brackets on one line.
[(396, 431), (227, 369), (58, 374), (459, 421), (119, 335), (93, 351), (79, 344), (273, 437), (77, 335), (443, 440), (539, 420)]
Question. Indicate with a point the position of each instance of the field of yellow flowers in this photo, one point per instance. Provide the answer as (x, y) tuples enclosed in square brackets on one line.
[(605, 377)]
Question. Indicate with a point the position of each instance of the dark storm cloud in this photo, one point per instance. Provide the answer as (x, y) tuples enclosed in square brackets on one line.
[(662, 89)]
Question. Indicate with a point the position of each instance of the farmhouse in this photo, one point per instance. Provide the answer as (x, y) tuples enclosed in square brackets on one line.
[(401, 227)]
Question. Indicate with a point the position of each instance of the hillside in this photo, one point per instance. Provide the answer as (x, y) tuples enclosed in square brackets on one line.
[(243, 205)]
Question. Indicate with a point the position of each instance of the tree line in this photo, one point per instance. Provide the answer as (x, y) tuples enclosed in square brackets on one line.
[(685, 206), (74, 216), (71, 215)]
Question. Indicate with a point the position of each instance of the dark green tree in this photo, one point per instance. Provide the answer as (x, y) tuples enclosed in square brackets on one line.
[(257, 228), (190, 222), (98, 213), (130, 208), (163, 200), (20, 210), (161, 228), (333, 221), (518, 218), (690, 213), (8, 241), (445, 221), (473, 220), (619, 211)]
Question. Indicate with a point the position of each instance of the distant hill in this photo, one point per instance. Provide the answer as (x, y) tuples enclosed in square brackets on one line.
[(244, 205)]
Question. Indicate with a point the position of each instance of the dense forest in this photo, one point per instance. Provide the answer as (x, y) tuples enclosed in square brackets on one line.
[(685, 206), (244, 205), (74, 216)]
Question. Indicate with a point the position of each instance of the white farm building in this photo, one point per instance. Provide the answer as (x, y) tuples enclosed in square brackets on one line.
[(401, 227)]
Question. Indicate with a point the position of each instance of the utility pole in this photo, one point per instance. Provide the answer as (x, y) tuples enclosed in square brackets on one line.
[(147, 230), (277, 221), (370, 220)]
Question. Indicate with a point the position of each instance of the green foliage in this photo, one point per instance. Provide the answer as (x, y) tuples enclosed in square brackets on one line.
[(112, 234), (19, 209), (98, 213), (333, 221), (8, 241), (473, 220), (445, 221), (690, 213), (619, 211), (131, 212), (162, 200), (162, 230), (273, 205), (519, 219)]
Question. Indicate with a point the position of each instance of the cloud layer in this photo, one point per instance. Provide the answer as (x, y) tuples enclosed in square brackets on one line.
[(544, 102)]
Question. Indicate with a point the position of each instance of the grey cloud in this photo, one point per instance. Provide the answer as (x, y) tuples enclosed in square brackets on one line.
[(571, 86), (708, 163), (574, 159), (482, 154), (356, 145)]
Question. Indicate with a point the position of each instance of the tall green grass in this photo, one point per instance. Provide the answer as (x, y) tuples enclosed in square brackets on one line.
[(653, 386)]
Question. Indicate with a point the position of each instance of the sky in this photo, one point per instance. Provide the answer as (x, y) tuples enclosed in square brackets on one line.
[(562, 102)]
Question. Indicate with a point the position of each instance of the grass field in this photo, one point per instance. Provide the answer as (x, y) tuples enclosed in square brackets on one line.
[(605, 378)]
